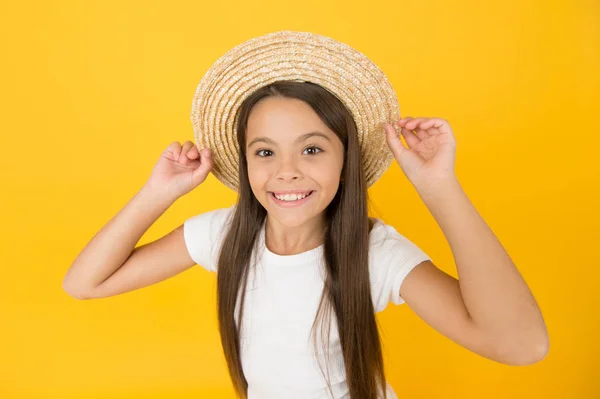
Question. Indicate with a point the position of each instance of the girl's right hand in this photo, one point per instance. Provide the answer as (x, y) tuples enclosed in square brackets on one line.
[(180, 169)]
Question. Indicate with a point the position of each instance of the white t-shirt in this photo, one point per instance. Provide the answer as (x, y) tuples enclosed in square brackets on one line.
[(282, 299)]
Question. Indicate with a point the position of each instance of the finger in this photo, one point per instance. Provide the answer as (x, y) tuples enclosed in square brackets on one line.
[(414, 123), (411, 139), (200, 173), (186, 147), (193, 153), (206, 157), (402, 122), (206, 154), (174, 148), (434, 123), (422, 133), (183, 159), (172, 151), (437, 126), (393, 141), (403, 155)]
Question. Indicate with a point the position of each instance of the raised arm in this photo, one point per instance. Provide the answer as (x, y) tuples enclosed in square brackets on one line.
[(489, 309), (110, 264)]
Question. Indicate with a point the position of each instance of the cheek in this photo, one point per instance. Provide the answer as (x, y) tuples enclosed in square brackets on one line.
[(257, 175), (325, 175)]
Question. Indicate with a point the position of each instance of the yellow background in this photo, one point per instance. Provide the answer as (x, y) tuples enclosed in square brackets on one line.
[(92, 92)]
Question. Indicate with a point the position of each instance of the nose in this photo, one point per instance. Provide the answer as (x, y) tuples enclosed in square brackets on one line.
[(288, 170)]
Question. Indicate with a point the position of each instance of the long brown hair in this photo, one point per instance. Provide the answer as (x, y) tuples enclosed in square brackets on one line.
[(346, 288)]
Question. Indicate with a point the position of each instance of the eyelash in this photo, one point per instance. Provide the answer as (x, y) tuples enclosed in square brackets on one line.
[(263, 149)]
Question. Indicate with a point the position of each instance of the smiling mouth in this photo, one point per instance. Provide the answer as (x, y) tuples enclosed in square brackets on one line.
[(298, 199)]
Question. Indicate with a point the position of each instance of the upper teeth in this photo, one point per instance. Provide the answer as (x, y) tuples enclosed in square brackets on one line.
[(291, 197)]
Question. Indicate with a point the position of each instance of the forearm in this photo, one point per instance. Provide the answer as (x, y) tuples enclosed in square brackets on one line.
[(115, 242), (494, 292)]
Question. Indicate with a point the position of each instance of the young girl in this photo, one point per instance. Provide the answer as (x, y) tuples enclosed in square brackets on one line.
[(301, 268)]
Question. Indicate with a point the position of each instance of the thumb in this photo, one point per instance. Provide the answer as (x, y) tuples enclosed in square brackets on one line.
[(404, 156), (206, 164)]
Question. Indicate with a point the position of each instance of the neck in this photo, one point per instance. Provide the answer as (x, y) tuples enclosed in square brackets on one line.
[(291, 240)]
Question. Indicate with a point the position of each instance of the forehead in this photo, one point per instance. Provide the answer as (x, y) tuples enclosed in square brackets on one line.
[(283, 119)]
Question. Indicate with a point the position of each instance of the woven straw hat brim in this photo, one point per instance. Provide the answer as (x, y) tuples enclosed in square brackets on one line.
[(300, 56)]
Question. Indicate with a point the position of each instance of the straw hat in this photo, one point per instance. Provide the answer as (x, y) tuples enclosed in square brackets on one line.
[(299, 56)]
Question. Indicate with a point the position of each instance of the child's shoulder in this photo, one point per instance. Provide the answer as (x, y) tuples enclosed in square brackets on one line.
[(378, 229), (213, 220), (383, 234), (214, 214), (203, 234)]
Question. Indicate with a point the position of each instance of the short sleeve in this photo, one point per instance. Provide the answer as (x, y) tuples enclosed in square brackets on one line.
[(204, 235), (391, 257)]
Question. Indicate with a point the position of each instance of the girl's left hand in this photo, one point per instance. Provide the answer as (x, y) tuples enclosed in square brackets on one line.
[(431, 153)]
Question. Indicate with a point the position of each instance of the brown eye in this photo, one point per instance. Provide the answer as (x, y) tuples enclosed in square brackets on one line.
[(314, 148), (259, 151)]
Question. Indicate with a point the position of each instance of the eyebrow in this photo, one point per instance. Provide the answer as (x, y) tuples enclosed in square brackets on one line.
[(301, 138)]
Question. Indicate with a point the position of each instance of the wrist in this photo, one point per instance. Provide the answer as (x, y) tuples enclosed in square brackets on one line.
[(438, 189), (152, 195)]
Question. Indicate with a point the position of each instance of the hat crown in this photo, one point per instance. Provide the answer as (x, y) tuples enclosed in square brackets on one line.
[(298, 56)]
